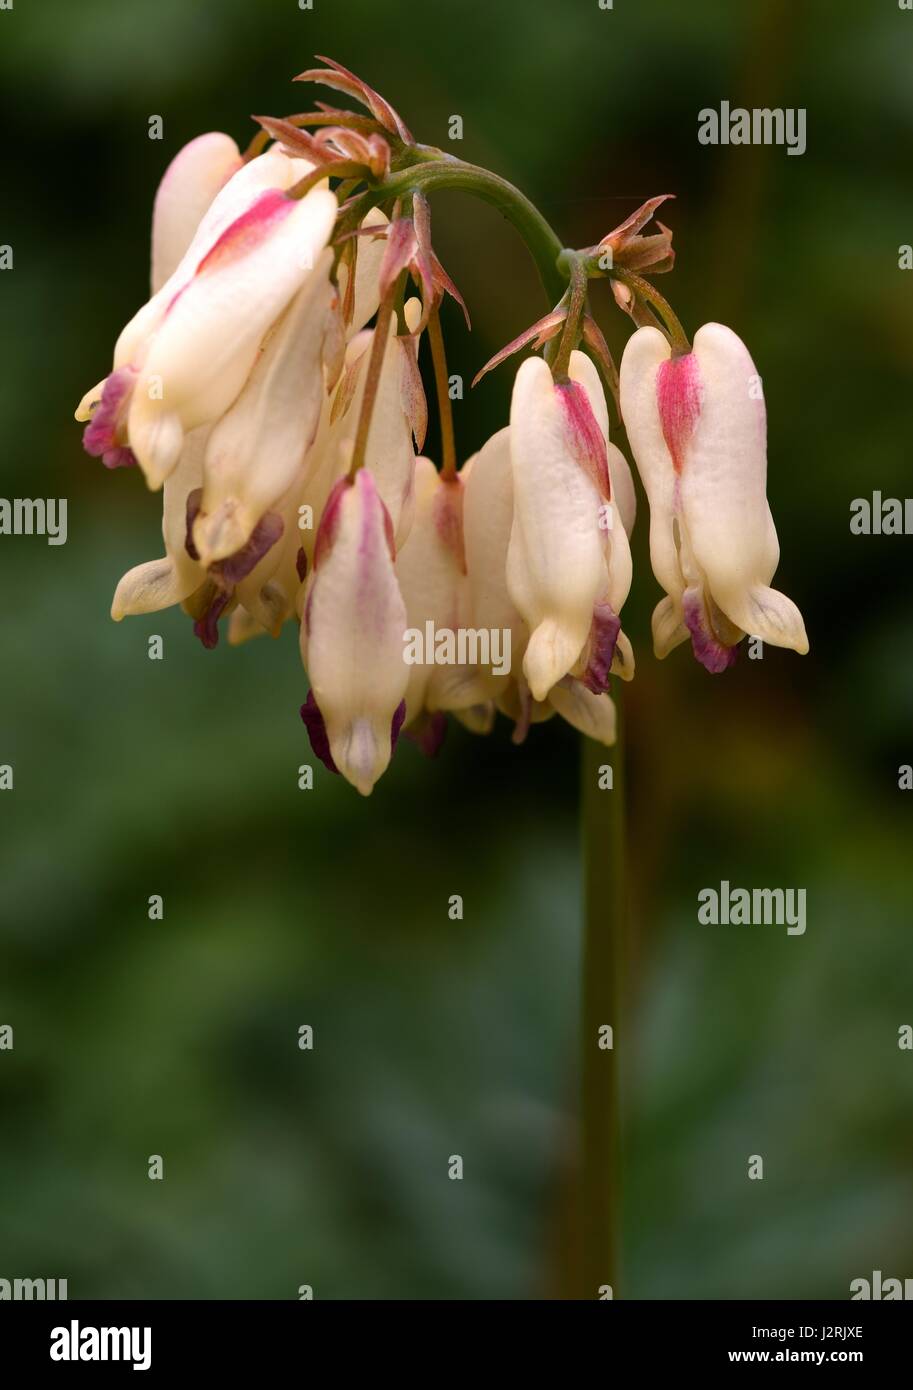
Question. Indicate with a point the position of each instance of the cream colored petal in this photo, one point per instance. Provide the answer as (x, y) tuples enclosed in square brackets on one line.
[(593, 715), (190, 183), (724, 485), (645, 353), (556, 563), (201, 356), (352, 636), (257, 449)]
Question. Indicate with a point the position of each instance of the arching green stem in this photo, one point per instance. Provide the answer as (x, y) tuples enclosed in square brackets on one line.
[(543, 242)]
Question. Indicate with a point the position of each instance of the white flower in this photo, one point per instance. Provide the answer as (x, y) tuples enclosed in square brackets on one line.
[(184, 357), (568, 562), (487, 526), (697, 427), (352, 634)]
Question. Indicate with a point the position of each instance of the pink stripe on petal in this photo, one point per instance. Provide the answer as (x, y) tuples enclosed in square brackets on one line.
[(584, 437), (447, 515), (678, 396), (249, 230), (329, 522)]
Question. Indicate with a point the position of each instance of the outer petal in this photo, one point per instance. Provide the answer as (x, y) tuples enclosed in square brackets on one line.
[(353, 630), (593, 715), (150, 587), (623, 488), (645, 353), (488, 507), (256, 450), (618, 551), (432, 574), (556, 568), (188, 186), (209, 339), (268, 171)]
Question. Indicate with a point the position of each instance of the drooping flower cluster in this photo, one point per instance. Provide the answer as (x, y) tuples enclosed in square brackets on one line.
[(286, 435)]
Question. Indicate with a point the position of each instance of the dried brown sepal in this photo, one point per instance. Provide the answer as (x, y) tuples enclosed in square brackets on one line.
[(297, 143), (536, 336), (348, 385), (626, 247), (372, 151), (347, 259), (421, 211), (412, 391), (404, 253), (626, 231), (336, 115), (602, 355), (334, 344), (444, 283), (634, 306), (342, 80)]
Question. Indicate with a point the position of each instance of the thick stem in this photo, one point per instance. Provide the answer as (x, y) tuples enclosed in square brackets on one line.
[(442, 384), (602, 981)]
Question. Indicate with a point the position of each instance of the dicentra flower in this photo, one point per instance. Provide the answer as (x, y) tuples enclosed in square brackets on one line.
[(568, 562), (698, 429)]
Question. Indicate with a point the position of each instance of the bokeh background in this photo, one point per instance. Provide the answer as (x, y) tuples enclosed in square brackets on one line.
[(283, 907)]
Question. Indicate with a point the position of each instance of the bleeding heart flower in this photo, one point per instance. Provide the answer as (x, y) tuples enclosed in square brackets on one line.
[(182, 360), (698, 430), (487, 524), (259, 448), (352, 636), (568, 562), (431, 568)]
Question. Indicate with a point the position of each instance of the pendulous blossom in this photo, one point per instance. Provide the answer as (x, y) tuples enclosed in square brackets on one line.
[(698, 430), (431, 569), (488, 509), (352, 635), (184, 357), (568, 562)]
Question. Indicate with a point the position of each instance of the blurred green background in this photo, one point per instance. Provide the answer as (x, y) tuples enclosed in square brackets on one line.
[(283, 907)]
